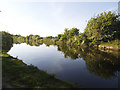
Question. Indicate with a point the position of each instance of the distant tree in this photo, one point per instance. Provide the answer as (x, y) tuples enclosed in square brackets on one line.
[(69, 33), (7, 41)]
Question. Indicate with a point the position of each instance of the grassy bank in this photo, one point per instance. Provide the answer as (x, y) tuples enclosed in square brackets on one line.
[(18, 74), (113, 45)]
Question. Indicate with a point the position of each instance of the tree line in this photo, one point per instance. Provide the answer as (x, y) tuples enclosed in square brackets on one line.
[(104, 27)]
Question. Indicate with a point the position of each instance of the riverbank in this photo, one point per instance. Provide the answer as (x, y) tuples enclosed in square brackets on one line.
[(113, 45), (103, 46), (17, 74), (108, 47)]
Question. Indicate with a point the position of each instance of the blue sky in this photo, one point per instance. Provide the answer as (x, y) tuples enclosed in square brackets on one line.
[(49, 18)]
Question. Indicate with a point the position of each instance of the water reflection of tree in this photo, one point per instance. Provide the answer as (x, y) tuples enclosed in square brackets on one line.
[(100, 63), (34, 43), (70, 51)]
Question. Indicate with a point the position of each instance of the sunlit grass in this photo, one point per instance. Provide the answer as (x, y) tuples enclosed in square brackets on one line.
[(115, 43), (4, 55)]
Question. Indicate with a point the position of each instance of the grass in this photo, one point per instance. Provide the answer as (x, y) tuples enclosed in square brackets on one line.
[(115, 43), (18, 74)]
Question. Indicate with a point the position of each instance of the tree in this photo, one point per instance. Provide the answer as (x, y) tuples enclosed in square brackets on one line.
[(105, 26), (7, 41), (59, 36)]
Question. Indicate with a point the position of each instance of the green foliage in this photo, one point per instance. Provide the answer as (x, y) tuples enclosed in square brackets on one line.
[(68, 34), (94, 42), (49, 40), (6, 42), (49, 37), (33, 38), (103, 27), (18, 39), (58, 37), (114, 43)]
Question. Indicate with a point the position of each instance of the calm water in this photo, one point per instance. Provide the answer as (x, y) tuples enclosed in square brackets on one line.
[(87, 68)]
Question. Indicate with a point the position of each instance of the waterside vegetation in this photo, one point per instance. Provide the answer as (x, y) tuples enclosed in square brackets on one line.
[(102, 30)]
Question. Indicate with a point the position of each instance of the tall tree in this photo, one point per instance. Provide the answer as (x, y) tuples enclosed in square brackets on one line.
[(105, 26)]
